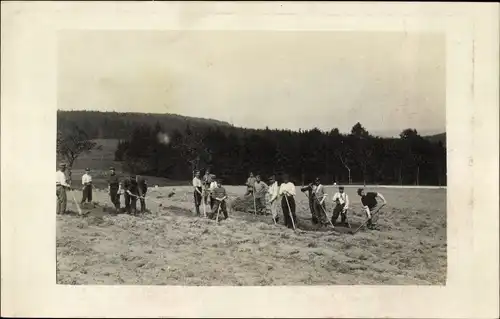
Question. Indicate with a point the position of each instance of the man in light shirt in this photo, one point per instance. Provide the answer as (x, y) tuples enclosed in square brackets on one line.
[(287, 193), (319, 202), (213, 185), (341, 201), (198, 192), (260, 195), (61, 187), (86, 187), (272, 194)]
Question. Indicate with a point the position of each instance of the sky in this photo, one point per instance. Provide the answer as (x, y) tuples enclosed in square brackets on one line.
[(387, 81)]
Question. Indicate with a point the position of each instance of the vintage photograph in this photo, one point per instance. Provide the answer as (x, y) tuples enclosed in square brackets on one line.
[(251, 158)]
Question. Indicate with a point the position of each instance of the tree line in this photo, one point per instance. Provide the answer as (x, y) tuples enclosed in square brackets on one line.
[(231, 153)]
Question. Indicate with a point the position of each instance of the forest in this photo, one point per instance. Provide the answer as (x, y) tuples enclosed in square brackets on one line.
[(173, 146)]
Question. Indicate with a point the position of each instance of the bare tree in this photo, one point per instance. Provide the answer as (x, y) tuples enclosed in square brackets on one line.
[(71, 144)]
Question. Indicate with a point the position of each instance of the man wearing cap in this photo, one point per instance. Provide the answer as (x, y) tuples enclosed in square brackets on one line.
[(86, 187), (114, 188), (260, 195), (198, 192), (319, 202), (219, 196), (341, 201), (369, 202), (131, 194), (61, 187), (310, 197), (272, 193)]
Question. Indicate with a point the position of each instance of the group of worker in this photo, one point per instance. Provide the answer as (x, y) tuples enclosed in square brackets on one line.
[(133, 188), (209, 190), (267, 197)]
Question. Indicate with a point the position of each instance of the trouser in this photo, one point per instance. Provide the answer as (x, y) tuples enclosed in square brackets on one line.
[(249, 191), (260, 204), (142, 200), (287, 212), (319, 211), (61, 199), (87, 194), (127, 201), (223, 209), (212, 202), (372, 220), (273, 208), (132, 209), (114, 197), (197, 200), (206, 195), (339, 210), (313, 213)]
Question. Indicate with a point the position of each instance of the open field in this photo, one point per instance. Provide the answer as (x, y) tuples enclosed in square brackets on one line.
[(169, 246)]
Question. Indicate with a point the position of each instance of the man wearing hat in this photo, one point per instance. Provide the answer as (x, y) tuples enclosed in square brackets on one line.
[(61, 187), (219, 196), (114, 188), (86, 187), (341, 201), (319, 202)]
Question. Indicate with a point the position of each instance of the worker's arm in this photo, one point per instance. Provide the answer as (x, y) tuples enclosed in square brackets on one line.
[(346, 206), (382, 198)]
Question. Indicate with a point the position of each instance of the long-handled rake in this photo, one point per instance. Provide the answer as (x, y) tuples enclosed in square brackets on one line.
[(290, 211), (364, 223), (80, 213), (324, 211)]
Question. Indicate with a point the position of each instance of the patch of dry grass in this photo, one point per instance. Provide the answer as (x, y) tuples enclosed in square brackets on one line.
[(170, 246)]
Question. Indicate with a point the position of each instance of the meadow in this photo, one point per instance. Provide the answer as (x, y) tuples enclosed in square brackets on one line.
[(169, 245)]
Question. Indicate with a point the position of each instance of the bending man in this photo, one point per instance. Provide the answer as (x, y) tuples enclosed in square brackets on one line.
[(369, 202)]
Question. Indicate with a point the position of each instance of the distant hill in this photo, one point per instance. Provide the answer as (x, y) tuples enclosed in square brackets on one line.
[(114, 125), (437, 138)]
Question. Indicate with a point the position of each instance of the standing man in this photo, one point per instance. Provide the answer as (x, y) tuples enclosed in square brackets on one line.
[(219, 197), (272, 193), (250, 184), (61, 187), (309, 194), (287, 193), (369, 202), (87, 187), (198, 191), (341, 201), (319, 202), (142, 189), (114, 188), (207, 180), (260, 195), (213, 185)]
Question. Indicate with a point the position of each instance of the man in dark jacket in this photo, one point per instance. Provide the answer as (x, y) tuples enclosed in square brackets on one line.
[(308, 190), (114, 188), (131, 194)]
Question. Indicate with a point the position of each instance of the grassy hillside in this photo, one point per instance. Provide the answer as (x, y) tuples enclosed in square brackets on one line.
[(437, 138), (113, 125)]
